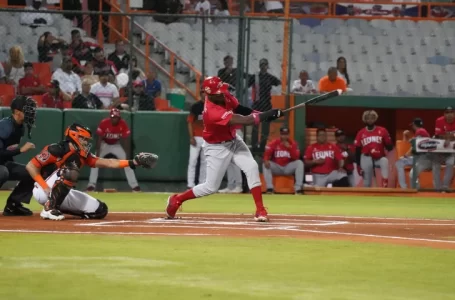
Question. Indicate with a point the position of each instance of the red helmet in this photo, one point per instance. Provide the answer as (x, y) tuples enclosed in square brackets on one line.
[(115, 112), (214, 85)]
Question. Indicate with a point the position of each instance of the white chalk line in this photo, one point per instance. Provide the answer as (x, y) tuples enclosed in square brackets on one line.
[(402, 224), (286, 215), (199, 227)]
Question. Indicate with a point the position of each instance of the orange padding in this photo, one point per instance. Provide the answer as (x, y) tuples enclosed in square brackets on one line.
[(124, 163), (40, 180), (281, 184)]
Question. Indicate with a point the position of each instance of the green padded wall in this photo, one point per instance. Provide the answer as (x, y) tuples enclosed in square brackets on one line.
[(91, 119), (166, 134), (48, 130)]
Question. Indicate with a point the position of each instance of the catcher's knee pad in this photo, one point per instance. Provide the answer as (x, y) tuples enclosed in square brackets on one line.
[(58, 193), (343, 182), (100, 213)]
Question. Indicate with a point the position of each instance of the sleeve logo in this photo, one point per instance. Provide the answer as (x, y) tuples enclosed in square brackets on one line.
[(226, 114), (43, 156)]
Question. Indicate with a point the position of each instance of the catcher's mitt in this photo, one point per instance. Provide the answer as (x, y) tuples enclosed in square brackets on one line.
[(146, 160)]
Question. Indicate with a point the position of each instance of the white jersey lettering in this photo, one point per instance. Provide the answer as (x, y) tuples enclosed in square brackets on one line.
[(323, 154), (371, 139), (280, 154)]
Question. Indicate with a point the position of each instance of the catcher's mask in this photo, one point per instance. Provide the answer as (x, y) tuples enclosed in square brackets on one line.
[(80, 137), (28, 106)]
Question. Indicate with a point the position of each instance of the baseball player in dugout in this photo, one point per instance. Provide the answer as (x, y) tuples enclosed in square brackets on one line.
[(195, 127), (371, 144), (282, 157), (56, 169), (326, 162), (113, 134), (348, 153), (12, 129), (444, 129), (222, 115)]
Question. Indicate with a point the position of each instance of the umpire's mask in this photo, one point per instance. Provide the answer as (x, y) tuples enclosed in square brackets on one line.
[(28, 107)]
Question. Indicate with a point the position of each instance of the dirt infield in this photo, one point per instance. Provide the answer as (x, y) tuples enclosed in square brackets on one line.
[(416, 232)]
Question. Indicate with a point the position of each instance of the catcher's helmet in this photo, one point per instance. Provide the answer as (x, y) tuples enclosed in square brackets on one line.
[(28, 106), (80, 137), (214, 85)]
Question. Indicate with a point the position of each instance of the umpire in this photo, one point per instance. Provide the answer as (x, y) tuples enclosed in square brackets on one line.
[(12, 130)]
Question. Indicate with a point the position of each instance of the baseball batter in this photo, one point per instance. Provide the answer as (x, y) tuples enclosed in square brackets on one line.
[(60, 164), (371, 143), (112, 133), (222, 113), (326, 162)]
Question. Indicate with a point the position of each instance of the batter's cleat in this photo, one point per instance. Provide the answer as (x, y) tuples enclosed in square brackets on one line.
[(137, 189), (261, 215), (299, 192), (16, 209), (54, 215), (224, 191), (90, 188), (236, 190), (172, 207), (270, 191)]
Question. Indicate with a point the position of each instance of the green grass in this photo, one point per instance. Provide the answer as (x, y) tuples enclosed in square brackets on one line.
[(437, 208), (88, 267)]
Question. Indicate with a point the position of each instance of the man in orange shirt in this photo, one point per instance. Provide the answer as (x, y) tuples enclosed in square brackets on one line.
[(30, 84), (332, 82)]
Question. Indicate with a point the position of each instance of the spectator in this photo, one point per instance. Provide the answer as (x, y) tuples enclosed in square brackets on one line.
[(113, 134), (69, 81), (331, 82), (142, 101), (203, 8), (14, 67), (107, 92), (82, 51), (55, 98), (326, 162), (348, 153), (371, 143), (228, 74), (168, 7), (30, 84), (35, 16), (262, 100), (282, 157), (101, 64), (137, 73), (119, 57), (222, 9), (152, 85), (342, 68), (85, 99), (195, 127), (89, 74), (275, 7), (48, 47), (95, 18), (65, 50), (444, 129), (74, 5), (423, 160), (303, 85)]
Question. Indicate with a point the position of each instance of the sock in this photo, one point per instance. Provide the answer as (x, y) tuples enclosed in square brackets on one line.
[(257, 196), (187, 195), (385, 183)]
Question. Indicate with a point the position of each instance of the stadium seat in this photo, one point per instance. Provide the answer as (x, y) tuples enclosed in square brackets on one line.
[(161, 104), (281, 184), (38, 99)]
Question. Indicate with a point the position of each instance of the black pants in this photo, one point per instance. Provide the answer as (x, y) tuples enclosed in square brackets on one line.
[(73, 5), (94, 6), (23, 191)]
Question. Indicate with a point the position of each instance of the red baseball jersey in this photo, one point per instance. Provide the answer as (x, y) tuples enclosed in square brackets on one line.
[(112, 134), (277, 152), (51, 102), (28, 81), (347, 150), (329, 152), (442, 127), (216, 120), (373, 141), (422, 132)]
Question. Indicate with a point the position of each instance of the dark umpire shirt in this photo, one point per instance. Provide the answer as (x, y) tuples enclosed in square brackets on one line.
[(266, 81), (10, 138)]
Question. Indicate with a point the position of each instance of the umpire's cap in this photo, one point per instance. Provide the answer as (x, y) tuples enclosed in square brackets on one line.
[(284, 130), (19, 103), (417, 122), (339, 132)]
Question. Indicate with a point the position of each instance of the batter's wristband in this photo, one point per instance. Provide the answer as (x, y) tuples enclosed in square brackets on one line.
[(40, 180), (256, 118)]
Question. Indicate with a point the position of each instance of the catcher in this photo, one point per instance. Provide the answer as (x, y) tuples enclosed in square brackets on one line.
[(60, 164)]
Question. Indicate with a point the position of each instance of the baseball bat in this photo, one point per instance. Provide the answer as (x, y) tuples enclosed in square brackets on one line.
[(316, 99)]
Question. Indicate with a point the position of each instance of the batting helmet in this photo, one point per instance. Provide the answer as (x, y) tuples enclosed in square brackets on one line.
[(214, 85), (115, 112)]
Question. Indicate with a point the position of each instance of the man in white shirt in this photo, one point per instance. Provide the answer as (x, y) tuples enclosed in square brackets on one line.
[(106, 91), (303, 85), (203, 8), (69, 81), (274, 7), (36, 18)]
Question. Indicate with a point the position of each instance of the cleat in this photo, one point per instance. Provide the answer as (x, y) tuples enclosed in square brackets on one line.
[(261, 215), (16, 209), (90, 189), (172, 207), (137, 189), (54, 215)]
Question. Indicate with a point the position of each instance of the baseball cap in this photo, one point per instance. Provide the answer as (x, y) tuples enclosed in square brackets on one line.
[(449, 109), (284, 130), (339, 132), (417, 122), (115, 112), (138, 83)]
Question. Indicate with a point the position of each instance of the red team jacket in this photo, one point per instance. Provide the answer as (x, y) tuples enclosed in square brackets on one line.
[(329, 152), (277, 152), (442, 127), (373, 142), (347, 150), (216, 120), (112, 134)]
